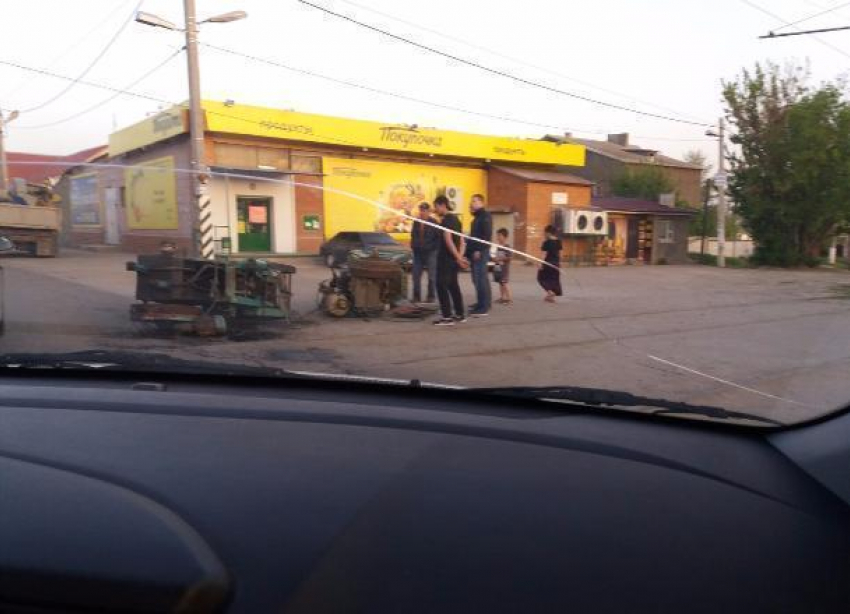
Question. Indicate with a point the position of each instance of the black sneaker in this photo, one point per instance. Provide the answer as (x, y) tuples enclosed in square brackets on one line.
[(479, 314), (444, 322), (459, 319)]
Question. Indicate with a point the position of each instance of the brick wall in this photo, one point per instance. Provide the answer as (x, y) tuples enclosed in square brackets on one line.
[(508, 193), (539, 215), (308, 201)]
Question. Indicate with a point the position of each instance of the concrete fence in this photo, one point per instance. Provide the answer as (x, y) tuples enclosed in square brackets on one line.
[(734, 249)]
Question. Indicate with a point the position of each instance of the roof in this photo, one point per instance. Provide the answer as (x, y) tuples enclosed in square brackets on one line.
[(544, 176), (630, 154), (621, 204), (231, 118), (35, 168)]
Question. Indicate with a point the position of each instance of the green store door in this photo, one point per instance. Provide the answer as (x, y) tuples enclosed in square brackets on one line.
[(254, 220)]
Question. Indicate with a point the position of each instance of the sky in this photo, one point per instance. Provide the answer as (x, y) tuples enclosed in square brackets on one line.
[(667, 57)]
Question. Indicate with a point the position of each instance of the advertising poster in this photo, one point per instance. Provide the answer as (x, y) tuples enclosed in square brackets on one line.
[(151, 195), (84, 201), (398, 187)]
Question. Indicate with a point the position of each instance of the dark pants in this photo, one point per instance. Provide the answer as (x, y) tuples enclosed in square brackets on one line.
[(481, 280), (424, 261), (448, 288)]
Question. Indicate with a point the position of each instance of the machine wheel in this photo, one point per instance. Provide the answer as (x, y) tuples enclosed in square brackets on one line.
[(337, 305)]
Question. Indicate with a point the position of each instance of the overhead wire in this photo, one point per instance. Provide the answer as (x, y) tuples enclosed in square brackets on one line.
[(414, 99), (89, 67), (499, 72), (66, 51), (810, 17), (761, 9), (127, 92), (510, 58), (94, 107)]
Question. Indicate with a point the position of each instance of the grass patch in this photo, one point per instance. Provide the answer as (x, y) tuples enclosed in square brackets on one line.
[(732, 262)]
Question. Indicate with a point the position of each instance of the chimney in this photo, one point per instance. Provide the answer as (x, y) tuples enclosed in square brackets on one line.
[(621, 139)]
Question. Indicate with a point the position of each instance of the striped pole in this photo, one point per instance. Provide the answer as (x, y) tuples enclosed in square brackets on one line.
[(206, 238)]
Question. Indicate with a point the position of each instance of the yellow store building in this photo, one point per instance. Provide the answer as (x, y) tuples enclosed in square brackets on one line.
[(282, 181)]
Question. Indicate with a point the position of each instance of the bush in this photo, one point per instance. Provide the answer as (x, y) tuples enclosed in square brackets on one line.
[(711, 260)]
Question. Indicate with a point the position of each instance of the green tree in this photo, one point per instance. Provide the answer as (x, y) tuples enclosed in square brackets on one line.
[(697, 158), (642, 182), (790, 161)]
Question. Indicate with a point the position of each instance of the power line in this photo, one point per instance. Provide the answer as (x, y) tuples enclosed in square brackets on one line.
[(88, 68), (126, 92), (80, 40), (778, 18), (94, 107), (408, 98), (498, 72), (499, 54), (810, 17)]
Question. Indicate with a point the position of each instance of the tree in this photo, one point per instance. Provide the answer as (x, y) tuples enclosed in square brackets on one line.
[(791, 161), (647, 182), (697, 158)]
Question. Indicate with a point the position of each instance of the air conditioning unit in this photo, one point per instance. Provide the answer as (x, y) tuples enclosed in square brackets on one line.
[(586, 222), (455, 196)]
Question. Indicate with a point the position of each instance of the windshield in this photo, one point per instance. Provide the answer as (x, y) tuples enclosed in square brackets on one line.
[(574, 208)]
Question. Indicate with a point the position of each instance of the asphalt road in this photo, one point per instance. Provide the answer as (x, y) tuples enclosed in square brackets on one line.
[(771, 342)]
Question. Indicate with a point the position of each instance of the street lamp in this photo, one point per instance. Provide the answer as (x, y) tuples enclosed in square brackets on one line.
[(202, 240), (720, 181), (4, 166)]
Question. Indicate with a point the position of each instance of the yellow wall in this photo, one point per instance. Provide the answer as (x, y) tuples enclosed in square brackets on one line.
[(151, 195), (276, 123), (153, 129), (399, 186)]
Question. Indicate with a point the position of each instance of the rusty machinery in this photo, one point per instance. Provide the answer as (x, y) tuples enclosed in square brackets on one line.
[(367, 285), (209, 297)]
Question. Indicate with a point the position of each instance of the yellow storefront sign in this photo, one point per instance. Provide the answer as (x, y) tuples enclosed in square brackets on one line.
[(151, 195), (151, 130), (273, 123), (397, 187)]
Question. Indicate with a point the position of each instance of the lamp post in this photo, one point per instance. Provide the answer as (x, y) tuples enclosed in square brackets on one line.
[(202, 239), (720, 182), (4, 165)]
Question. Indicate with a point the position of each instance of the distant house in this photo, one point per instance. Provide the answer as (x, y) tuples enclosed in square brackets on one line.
[(607, 160), (645, 231), (38, 168)]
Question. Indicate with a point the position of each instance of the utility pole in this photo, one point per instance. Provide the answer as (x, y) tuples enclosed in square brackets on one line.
[(4, 165), (202, 228), (706, 197), (202, 231), (720, 183)]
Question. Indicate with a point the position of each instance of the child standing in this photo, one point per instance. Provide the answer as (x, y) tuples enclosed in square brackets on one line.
[(502, 269)]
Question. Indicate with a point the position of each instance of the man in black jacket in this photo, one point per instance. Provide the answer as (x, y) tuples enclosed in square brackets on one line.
[(478, 254), (424, 240)]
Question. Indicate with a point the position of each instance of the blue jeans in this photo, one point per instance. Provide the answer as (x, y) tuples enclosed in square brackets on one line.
[(424, 261), (481, 281)]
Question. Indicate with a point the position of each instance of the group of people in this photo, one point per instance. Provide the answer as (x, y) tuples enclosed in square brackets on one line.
[(441, 250)]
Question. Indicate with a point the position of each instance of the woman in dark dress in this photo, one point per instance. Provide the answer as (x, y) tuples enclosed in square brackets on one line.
[(548, 277)]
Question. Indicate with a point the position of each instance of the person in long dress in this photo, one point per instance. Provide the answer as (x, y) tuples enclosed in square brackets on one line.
[(549, 274)]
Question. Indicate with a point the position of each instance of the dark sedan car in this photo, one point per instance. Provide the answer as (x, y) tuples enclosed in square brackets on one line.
[(335, 251)]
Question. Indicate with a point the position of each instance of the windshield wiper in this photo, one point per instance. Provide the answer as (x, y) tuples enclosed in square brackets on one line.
[(601, 397)]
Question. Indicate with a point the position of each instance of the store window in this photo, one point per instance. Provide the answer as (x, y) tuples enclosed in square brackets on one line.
[(665, 231), (235, 156), (268, 157), (306, 164)]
